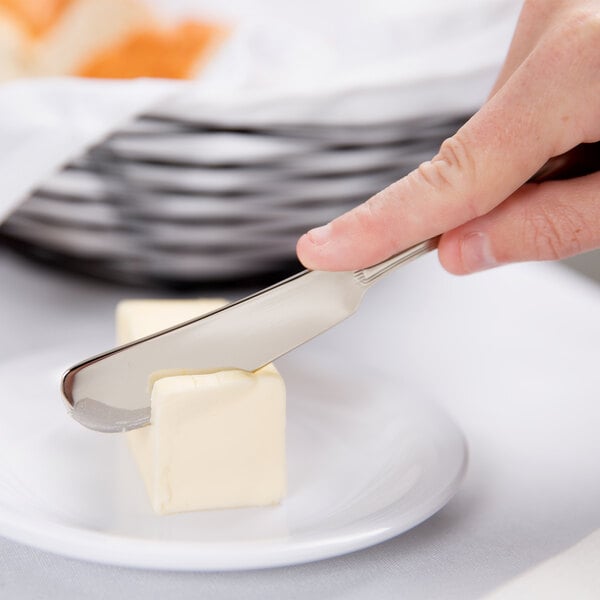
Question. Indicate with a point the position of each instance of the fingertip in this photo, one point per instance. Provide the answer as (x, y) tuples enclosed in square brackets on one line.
[(315, 250), (327, 248), (462, 252), (319, 236), (449, 254), (304, 251)]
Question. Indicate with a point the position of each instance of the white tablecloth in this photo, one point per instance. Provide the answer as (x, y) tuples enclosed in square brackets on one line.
[(512, 354)]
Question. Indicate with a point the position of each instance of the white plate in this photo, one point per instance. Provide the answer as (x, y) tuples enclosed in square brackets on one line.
[(368, 459), (139, 176), (78, 241), (285, 153), (210, 148)]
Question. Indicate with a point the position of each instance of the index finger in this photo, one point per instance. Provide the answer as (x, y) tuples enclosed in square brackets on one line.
[(525, 123)]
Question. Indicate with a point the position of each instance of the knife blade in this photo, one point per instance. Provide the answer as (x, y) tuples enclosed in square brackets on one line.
[(110, 392)]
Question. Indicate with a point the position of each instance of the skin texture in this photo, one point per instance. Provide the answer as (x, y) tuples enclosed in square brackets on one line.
[(474, 191)]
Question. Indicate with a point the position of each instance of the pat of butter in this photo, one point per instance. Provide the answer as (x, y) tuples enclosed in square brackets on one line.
[(216, 440), (138, 318)]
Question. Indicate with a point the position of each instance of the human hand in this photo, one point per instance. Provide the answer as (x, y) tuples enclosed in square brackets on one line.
[(474, 191)]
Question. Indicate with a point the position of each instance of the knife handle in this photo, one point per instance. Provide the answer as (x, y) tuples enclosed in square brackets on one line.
[(581, 160), (370, 275)]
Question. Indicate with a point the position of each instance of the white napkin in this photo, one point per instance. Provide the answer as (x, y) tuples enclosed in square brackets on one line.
[(574, 573), (46, 123)]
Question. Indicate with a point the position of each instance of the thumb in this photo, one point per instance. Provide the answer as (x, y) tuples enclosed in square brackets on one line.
[(528, 121), (549, 221)]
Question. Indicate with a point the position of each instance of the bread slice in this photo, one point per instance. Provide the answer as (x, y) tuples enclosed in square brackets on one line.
[(14, 47), (35, 17), (177, 52), (84, 29), (100, 38)]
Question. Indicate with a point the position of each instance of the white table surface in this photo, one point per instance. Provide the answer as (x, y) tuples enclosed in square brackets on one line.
[(513, 355)]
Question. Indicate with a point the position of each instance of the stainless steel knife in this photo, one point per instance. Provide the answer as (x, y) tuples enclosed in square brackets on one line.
[(111, 391)]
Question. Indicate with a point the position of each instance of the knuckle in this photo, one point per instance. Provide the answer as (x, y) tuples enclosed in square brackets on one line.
[(448, 172), (374, 223), (555, 234), (365, 216), (455, 156)]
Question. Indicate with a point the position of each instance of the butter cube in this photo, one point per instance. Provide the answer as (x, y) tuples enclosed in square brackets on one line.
[(216, 440), (138, 318)]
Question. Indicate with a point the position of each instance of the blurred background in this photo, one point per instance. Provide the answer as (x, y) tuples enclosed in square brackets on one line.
[(185, 144)]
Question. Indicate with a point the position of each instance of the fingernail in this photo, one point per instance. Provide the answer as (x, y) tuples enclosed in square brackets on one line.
[(320, 235), (476, 252)]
